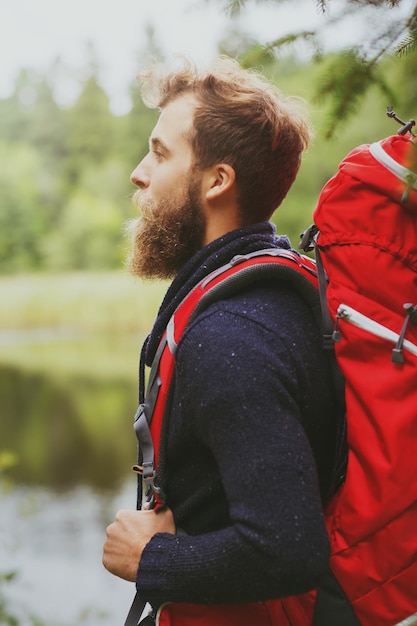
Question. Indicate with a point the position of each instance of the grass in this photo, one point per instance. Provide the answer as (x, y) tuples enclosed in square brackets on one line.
[(109, 302), (76, 324), (88, 357)]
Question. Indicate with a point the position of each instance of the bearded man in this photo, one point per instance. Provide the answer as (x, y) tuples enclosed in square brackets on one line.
[(247, 441)]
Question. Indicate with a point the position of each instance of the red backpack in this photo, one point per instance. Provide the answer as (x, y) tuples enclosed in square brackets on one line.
[(366, 218), (366, 243)]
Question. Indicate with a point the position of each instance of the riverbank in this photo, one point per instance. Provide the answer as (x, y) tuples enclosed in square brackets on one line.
[(78, 324), (98, 302), (69, 347)]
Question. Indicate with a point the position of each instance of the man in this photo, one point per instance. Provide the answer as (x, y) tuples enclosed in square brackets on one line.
[(247, 445)]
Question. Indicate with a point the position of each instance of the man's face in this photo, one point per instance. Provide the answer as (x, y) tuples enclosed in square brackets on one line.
[(171, 227)]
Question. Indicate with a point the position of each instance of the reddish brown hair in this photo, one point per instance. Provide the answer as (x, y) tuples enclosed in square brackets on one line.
[(241, 120)]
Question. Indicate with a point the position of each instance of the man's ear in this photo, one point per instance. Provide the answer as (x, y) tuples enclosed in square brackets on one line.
[(221, 179)]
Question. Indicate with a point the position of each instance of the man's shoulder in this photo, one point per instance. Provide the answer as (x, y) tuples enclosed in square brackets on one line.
[(268, 300), (270, 307)]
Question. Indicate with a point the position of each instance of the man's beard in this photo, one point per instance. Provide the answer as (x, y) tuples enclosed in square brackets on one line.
[(167, 234)]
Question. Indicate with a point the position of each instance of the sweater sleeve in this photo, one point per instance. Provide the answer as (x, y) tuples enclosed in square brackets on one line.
[(240, 383)]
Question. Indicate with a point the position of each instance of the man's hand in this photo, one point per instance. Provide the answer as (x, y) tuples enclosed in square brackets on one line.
[(128, 535)]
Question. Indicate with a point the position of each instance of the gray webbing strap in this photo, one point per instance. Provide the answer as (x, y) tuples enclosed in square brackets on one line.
[(141, 426), (143, 434), (136, 610), (327, 322)]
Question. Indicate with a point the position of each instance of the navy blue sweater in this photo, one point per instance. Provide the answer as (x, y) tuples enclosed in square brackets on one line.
[(247, 445)]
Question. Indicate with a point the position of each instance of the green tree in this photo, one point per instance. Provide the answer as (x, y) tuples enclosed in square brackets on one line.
[(22, 223), (89, 235), (32, 115), (15, 111), (90, 125), (33, 137), (90, 132), (358, 67), (135, 127)]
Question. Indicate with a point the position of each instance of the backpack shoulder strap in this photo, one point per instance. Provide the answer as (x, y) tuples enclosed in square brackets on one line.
[(242, 272)]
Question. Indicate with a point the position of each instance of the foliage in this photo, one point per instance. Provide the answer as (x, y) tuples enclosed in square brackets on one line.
[(409, 41), (7, 460), (6, 617), (357, 68), (20, 227), (348, 78), (64, 182)]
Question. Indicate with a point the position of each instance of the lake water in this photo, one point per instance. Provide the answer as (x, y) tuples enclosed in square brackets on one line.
[(54, 543), (74, 442)]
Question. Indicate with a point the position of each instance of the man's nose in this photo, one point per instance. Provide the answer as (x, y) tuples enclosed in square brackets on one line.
[(139, 177)]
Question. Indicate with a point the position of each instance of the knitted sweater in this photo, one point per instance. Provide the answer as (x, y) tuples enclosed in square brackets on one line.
[(249, 432)]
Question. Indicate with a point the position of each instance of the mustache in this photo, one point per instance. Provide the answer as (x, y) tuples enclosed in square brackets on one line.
[(144, 205), (137, 198)]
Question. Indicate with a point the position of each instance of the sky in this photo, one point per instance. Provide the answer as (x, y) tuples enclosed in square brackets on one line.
[(35, 32)]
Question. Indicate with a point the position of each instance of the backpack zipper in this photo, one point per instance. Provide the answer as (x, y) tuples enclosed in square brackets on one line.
[(369, 325), (401, 172), (409, 621)]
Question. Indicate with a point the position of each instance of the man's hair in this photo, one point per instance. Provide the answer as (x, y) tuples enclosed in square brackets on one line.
[(242, 120)]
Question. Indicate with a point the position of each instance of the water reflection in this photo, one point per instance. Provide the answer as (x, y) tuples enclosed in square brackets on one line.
[(73, 437), (67, 432), (54, 542)]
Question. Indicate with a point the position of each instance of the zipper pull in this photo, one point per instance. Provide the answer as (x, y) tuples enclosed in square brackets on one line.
[(330, 339), (337, 336), (411, 315)]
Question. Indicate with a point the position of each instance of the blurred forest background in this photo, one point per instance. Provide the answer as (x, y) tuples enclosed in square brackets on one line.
[(64, 180), (72, 320)]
